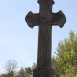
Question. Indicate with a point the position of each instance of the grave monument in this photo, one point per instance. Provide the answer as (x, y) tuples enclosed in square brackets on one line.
[(45, 19)]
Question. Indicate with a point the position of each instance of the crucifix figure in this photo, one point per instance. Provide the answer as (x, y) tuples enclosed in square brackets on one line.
[(44, 19)]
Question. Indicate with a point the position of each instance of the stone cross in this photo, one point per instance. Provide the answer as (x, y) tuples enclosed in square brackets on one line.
[(44, 19)]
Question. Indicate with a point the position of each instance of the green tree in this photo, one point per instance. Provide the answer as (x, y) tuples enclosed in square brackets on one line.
[(28, 71), (3, 75), (10, 67), (34, 66), (65, 63), (21, 73)]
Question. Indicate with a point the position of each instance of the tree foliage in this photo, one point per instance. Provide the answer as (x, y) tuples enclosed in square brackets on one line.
[(65, 63), (10, 67)]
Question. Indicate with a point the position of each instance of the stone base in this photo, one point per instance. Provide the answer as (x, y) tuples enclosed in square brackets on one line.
[(43, 72)]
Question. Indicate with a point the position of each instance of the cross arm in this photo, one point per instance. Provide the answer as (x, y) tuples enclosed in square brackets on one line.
[(58, 19), (32, 19)]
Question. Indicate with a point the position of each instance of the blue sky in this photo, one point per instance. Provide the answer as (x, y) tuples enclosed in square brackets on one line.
[(18, 41)]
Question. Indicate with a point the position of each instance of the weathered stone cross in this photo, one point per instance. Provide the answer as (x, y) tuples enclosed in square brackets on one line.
[(45, 19)]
